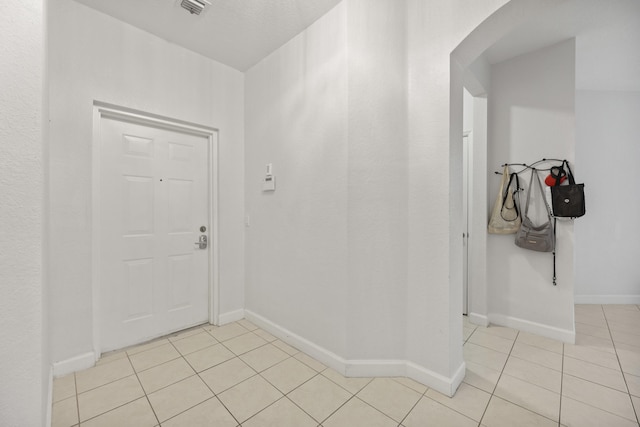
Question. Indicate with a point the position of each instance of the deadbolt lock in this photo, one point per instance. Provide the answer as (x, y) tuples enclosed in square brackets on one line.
[(203, 228), (202, 242)]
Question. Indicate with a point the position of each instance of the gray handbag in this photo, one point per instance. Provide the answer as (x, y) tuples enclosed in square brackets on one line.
[(541, 238)]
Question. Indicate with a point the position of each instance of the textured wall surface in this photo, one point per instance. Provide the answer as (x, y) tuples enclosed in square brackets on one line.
[(531, 116), (22, 387), (607, 130), (296, 245), (96, 57)]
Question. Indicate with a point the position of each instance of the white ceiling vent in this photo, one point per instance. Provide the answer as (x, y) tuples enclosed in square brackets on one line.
[(194, 6)]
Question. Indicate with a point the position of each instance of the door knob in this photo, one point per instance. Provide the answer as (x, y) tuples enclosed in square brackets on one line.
[(202, 242)]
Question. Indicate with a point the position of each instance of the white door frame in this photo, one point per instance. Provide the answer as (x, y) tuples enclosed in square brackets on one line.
[(100, 110)]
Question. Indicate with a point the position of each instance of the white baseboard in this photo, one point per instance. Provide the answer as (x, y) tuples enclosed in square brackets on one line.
[(440, 383), (564, 335), (607, 299), (359, 367), (77, 363), (478, 319), (231, 316)]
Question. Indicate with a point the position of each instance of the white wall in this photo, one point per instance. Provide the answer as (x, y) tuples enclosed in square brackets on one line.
[(377, 179), (95, 57), (385, 272), (24, 357), (296, 245), (607, 155), (531, 116)]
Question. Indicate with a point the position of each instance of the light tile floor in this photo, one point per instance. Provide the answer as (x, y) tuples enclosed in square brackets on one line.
[(239, 375)]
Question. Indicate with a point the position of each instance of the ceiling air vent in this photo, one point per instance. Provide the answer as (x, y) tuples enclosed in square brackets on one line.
[(194, 6)]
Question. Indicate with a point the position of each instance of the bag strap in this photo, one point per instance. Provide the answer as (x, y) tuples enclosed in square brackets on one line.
[(554, 250), (572, 180), (506, 193), (534, 172)]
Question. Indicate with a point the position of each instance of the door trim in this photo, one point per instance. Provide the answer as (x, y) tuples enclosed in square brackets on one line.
[(105, 110)]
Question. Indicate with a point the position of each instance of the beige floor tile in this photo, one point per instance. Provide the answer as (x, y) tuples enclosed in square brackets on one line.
[(481, 377), (598, 396), (352, 385), (64, 413), (194, 343), (356, 413), (537, 355), (146, 346), (602, 358), (226, 332), (64, 387), (593, 319), (494, 342), (226, 375), (207, 413), (160, 376), (529, 396), (595, 331), (602, 344), (633, 383), (153, 357), (413, 385), (249, 397), (265, 335), (595, 373), (108, 397), (310, 362), (468, 400), (627, 328), (170, 401), (186, 333), (288, 374), (501, 331), (100, 375), (390, 397), (535, 374), (540, 342), (208, 357), (625, 338), (264, 357), (244, 343), (282, 413), (111, 356), (466, 333), (134, 414), (319, 397), (286, 347), (501, 413), (578, 414), (484, 356), (629, 357), (428, 412), (248, 325)]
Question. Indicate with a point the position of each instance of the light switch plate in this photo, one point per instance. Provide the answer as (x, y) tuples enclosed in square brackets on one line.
[(269, 183)]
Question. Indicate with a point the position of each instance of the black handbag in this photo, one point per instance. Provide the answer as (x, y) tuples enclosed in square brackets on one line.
[(568, 200)]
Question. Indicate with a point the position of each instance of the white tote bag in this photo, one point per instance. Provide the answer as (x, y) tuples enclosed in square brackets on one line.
[(505, 216)]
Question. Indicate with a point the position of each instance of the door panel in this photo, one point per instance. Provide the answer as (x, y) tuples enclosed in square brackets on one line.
[(154, 198)]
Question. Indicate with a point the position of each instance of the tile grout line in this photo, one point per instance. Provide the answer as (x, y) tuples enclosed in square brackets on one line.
[(146, 396), (499, 377), (75, 385), (624, 378), (561, 384)]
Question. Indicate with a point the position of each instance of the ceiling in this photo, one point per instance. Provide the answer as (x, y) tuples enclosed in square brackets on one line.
[(238, 33), (607, 41)]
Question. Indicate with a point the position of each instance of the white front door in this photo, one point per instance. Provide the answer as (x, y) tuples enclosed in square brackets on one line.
[(154, 202)]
